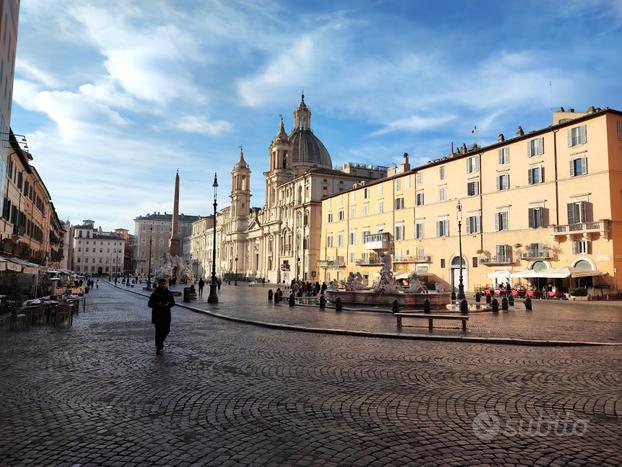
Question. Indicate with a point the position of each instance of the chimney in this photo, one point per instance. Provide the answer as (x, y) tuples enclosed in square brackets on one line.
[(500, 138), (520, 131), (463, 149), (405, 162)]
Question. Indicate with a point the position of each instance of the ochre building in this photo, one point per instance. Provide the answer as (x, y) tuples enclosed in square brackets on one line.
[(543, 207)]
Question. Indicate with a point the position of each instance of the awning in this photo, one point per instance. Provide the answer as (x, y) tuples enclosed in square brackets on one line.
[(499, 274), (524, 274), (559, 273), (404, 275), (576, 272)]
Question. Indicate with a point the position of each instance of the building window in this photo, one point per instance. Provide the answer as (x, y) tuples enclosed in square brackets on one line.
[(501, 221), (398, 184), (578, 166), (441, 172), (538, 217), (442, 193), (577, 135), (473, 224), (442, 228), (330, 217), (365, 210), (419, 232), (620, 129), (473, 188), (340, 239), (504, 253), (407, 182), (579, 212), (399, 203), (503, 182), (475, 261), (399, 232), (535, 175), (419, 198), (352, 257), (419, 175), (535, 147), (365, 193), (581, 247), (365, 234), (329, 241), (442, 263), (472, 164), (380, 206), (352, 213), (341, 215), (352, 237), (380, 190)]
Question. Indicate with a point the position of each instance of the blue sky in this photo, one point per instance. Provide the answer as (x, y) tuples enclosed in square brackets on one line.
[(115, 95)]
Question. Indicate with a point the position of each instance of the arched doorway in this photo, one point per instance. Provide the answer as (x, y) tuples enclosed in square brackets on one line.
[(455, 274), (539, 282), (587, 266)]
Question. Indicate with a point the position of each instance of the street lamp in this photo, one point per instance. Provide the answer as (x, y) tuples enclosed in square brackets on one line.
[(213, 296), (459, 216), (149, 272), (235, 280), (297, 267), (116, 265)]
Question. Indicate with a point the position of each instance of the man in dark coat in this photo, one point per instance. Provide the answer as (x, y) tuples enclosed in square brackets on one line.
[(201, 285), (161, 302)]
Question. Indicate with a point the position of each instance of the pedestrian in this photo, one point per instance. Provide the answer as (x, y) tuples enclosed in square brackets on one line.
[(219, 283), (161, 302), (201, 285), (97, 284)]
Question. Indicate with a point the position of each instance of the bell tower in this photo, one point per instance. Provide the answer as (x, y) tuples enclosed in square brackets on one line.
[(240, 192), (302, 115)]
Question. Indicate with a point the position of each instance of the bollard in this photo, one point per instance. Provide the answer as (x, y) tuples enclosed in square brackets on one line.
[(292, 299), (504, 304), (528, 304), (338, 304), (427, 308), (84, 304), (395, 307), (495, 305), (488, 298), (478, 297), (277, 298), (322, 302), (511, 300), (453, 296), (464, 307), (270, 295)]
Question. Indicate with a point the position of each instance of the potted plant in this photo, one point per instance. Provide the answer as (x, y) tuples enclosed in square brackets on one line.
[(579, 294)]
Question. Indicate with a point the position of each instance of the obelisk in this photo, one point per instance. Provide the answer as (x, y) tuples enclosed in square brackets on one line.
[(174, 249)]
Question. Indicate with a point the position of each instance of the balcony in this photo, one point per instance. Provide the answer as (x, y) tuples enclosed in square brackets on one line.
[(378, 241), (374, 261), (413, 259), (601, 227), (536, 254), (331, 264), (496, 260)]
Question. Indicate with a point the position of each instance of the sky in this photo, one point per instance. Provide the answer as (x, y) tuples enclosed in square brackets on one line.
[(114, 96)]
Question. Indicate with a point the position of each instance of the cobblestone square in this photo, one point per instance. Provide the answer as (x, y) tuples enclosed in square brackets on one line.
[(228, 393)]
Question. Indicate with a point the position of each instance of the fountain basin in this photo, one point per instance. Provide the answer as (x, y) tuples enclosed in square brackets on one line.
[(438, 300)]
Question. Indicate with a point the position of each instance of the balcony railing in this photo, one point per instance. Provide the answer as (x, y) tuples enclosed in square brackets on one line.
[(378, 241), (332, 264), (601, 227), (369, 262), (496, 260), (413, 259), (536, 254)]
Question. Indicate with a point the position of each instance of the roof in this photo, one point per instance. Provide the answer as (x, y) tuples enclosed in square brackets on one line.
[(166, 217), (308, 149), (479, 150)]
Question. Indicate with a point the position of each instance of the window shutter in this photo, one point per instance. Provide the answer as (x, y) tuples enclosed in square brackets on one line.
[(497, 221), (530, 176), (541, 174), (575, 245), (583, 134), (501, 156), (529, 149), (530, 215), (589, 247), (438, 228), (572, 174), (569, 137), (584, 165), (476, 163), (498, 182), (477, 188), (571, 216)]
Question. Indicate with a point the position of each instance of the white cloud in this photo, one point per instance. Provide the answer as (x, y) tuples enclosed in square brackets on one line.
[(31, 72), (201, 124), (413, 123)]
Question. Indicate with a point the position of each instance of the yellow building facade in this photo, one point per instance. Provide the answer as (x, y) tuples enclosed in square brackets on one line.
[(543, 207)]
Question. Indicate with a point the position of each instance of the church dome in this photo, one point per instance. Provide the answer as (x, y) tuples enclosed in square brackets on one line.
[(308, 149)]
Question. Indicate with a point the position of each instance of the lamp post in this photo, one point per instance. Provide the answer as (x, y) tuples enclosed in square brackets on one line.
[(149, 271), (459, 216), (116, 265), (297, 267), (235, 280), (213, 296)]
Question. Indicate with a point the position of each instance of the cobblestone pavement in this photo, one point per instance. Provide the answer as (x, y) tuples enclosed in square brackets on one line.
[(549, 320), (226, 393)]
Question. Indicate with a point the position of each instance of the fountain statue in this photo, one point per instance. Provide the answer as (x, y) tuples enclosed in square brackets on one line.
[(386, 281), (355, 282), (415, 285), (174, 267)]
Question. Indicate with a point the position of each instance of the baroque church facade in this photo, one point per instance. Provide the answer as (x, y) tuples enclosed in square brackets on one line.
[(280, 241)]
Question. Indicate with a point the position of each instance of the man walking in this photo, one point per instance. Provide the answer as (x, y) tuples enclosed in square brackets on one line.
[(161, 302), (201, 285)]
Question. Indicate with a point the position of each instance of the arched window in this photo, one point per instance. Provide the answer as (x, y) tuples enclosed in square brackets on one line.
[(455, 263), (539, 266), (583, 264)]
